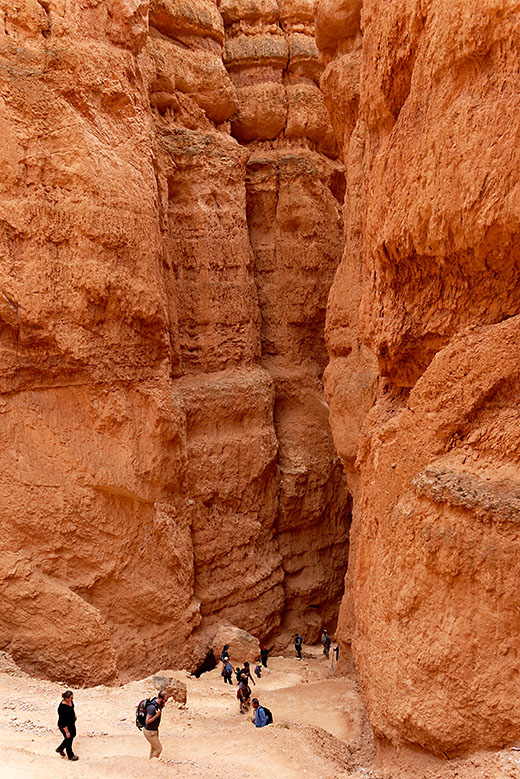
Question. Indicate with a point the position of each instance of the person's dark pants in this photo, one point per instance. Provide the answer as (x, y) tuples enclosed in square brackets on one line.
[(228, 679), (66, 744), (264, 661), (299, 650)]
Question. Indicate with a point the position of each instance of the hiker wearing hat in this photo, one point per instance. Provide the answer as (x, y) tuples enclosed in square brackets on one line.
[(263, 654)]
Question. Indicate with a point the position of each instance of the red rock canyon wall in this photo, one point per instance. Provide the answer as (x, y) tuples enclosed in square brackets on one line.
[(423, 332), (170, 216)]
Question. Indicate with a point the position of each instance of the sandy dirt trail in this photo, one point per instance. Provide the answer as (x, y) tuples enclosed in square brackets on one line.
[(320, 732), (318, 725)]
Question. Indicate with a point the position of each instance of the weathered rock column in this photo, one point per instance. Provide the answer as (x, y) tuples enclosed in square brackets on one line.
[(430, 95), (295, 188)]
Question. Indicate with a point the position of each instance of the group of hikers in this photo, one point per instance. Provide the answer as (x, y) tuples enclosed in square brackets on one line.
[(325, 640), (149, 711), (262, 716)]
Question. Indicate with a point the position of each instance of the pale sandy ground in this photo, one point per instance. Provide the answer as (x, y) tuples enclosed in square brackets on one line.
[(319, 732)]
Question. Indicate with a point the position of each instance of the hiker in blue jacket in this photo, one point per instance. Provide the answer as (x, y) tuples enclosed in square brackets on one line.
[(260, 718), (227, 673)]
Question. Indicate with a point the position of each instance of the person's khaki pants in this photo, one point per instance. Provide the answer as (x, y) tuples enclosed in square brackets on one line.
[(152, 736)]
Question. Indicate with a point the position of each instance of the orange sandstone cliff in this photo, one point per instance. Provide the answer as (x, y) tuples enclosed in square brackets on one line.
[(170, 214), (423, 330)]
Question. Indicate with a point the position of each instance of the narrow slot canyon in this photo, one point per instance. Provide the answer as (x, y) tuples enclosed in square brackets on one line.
[(259, 349)]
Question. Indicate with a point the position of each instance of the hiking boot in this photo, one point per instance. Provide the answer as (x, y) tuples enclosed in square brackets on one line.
[(60, 751), (74, 757)]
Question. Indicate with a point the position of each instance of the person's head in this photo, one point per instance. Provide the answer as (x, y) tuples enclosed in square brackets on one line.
[(68, 696), (255, 703), (246, 665), (162, 697)]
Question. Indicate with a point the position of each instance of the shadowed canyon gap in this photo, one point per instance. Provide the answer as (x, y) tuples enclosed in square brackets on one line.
[(171, 214), (171, 223)]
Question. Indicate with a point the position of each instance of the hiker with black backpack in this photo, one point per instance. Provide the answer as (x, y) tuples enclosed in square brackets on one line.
[(148, 718), (262, 716)]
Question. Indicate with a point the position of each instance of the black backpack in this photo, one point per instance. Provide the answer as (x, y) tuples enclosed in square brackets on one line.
[(140, 712), (268, 715)]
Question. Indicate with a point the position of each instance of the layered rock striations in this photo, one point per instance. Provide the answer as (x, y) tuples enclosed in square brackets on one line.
[(423, 97), (164, 435), (295, 189)]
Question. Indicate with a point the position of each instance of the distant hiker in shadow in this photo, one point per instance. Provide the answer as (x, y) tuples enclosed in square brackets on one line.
[(263, 654), (67, 725), (325, 640), (298, 643)]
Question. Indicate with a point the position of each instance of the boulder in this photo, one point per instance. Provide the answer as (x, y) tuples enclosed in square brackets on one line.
[(242, 645), (174, 687)]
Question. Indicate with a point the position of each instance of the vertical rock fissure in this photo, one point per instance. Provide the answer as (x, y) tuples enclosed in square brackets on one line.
[(295, 233)]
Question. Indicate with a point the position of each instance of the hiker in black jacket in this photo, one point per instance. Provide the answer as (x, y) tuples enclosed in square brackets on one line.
[(298, 642), (67, 725)]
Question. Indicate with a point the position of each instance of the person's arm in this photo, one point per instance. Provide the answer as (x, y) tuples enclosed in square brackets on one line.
[(260, 717), (65, 728), (152, 717), (249, 674)]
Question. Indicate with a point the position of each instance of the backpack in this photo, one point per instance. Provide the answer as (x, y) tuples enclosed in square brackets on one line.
[(268, 715), (140, 712), (243, 692)]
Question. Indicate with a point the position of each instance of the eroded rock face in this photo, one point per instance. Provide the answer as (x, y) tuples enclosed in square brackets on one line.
[(295, 189), (144, 439), (423, 104)]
